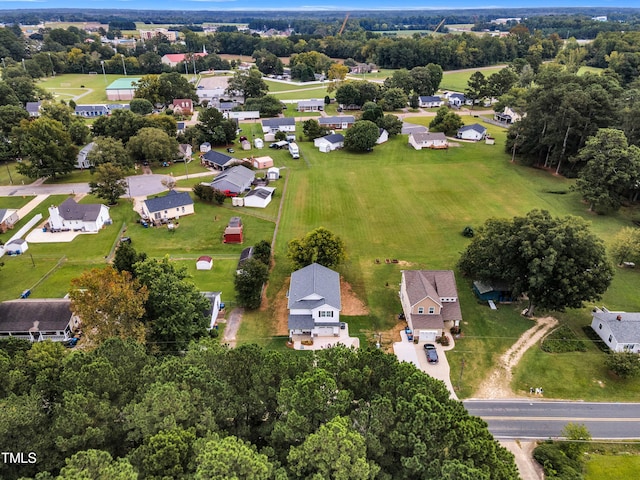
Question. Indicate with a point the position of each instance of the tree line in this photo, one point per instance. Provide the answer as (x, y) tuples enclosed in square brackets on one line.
[(118, 411)]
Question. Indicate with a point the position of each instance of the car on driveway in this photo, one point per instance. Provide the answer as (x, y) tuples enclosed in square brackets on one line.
[(431, 352), (409, 333)]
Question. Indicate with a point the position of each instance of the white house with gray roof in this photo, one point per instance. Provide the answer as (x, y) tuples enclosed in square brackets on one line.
[(69, 215), (473, 132), (428, 140), (279, 124), (312, 105), (314, 302), (172, 205), (330, 142), (620, 331), (429, 299), (81, 160)]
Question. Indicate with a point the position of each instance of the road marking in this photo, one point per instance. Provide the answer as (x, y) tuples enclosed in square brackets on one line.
[(562, 419)]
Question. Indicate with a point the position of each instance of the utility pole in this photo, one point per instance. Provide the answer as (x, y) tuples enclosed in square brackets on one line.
[(124, 67), (104, 74)]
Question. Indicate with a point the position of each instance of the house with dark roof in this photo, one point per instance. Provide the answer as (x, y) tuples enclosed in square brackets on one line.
[(69, 215), (474, 132), (218, 160), (314, 302), (456, 100), (338, 122), (428, 140), (234, 180), (259, 197), (92, 111), (330, 142), (429, 301), (430, 101), (33, 108), (279, 124), (172, 205), (38, 319), (620, 331), (8, 218)]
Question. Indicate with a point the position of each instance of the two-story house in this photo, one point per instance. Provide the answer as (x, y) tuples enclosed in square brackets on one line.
[(314, 302), (429, 301)]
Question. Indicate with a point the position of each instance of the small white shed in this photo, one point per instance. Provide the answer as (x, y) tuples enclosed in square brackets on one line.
[(273, 173), (204, 263), (258, 143), (16, 247)]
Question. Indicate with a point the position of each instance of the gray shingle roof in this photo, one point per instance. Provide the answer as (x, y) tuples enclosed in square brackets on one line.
[(218, 158), (336, 120), (70, 210), (51, 314), (91, 108), (475, 126), (172, 199), (313, 286), (334, 138), (276, 122), (259, 192), (428, 137), (33, 107), (625, 330), (300, 322), (311, 103), (236, 179), (430, 99)]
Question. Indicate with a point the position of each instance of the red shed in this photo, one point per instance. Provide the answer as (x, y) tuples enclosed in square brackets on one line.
[(234, 231)]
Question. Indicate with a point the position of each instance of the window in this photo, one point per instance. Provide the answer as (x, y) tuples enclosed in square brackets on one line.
[(432, 310), (325, 314), (610, 338), (182, 209), (420, 310), (600, 327)]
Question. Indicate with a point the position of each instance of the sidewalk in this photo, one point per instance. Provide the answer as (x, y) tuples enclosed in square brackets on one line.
[(24, 211)]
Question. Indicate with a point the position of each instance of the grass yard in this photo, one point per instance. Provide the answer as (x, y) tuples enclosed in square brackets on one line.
[(9, 175), (302, 94), (458, 80), (277, 87), (14, 202), (619, 467), (89, 88), (582, 70)]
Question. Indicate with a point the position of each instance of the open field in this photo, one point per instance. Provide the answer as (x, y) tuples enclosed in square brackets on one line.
[(89, 88), (458, 80), (596, 70)]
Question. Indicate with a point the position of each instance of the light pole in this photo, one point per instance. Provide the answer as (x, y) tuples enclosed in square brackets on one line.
[(124, 67), (104, 74), (4, 65)]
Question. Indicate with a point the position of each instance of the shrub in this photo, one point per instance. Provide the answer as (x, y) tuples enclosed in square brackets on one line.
[(624, 364), (443, 340), (555, 462), (455, 330), (563, 340), (467, 232)]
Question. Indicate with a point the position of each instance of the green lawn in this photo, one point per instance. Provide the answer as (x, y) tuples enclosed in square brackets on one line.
[(458, 81), (619, 467), (14, 202), (596, 70), (302, 94), (9, 175), (91, 87), (276, 87)]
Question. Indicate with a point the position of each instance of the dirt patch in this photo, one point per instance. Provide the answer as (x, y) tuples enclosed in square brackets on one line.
[(351, 305), (498, 384), (523, 452)]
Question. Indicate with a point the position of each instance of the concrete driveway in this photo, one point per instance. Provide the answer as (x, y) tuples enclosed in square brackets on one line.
[(407, 351)]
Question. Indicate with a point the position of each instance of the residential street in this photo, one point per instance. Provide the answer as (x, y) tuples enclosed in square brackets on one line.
[(524, 419)]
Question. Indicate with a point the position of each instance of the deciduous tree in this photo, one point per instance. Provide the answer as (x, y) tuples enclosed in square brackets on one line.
[(318, 246), (152, 145), (109, 150), (109, 183), (109, 304), (249, 84), (537, 254), (248, 283), (362, 136), (312, 129)]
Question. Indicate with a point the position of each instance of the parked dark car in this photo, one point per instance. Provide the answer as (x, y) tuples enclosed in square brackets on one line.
[(230, 150), (431, 352)]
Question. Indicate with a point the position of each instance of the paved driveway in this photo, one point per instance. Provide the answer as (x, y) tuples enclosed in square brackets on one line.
[(407, 351)]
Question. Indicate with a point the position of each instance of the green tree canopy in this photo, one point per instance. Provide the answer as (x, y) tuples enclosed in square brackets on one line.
[(109, 150), (141, 106), (446, 121), (248, 83), (318, 246), (537, 254), (312, 129), (231, 458), (612, 169), (108, 183), (362, 136), (248, 283), (152, 145)]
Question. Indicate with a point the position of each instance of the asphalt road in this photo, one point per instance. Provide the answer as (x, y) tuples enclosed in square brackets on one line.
[(522, 419)]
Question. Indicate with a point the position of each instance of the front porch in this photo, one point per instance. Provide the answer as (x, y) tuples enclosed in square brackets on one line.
[(322, 342)]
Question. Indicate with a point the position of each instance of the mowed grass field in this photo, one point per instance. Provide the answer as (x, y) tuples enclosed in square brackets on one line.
[(458, 80), (402, 204), (89, 88)]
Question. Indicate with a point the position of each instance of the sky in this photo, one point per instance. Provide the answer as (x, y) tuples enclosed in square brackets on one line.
[(259, 5)]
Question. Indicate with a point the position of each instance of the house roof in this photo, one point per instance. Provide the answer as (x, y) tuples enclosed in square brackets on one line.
[(261, 192), (276, 122), (172, 199), (334, 138), (91, 108), (475, 127), (218, 158), (227, 105), (86, 149), (313, 286), (485, 286), (311, 103), (33, 107), (35, 315), (428, 137), (182, 102), (457, 95), (70, 210), (6, 213), (427, 322), (184, 148), (430, 98), (118, 106), (18, 242), (300, 322), (235, 222), (625, 330), (180, 125), (205, 258), (435, 284), (413, 128), (337, 120), (179, 57), (238, 176)]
